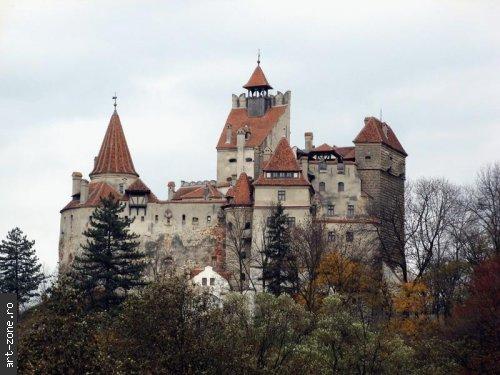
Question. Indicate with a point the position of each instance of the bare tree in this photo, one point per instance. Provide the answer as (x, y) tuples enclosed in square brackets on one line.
[(309, 244), (238, 245), (485, 203), (432, 206)]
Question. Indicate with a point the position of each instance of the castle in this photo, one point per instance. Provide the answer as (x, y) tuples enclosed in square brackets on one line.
[(219, 223)]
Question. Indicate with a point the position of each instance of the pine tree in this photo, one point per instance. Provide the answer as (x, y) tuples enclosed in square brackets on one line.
[(277, 274), (110, 264), (19, 268)]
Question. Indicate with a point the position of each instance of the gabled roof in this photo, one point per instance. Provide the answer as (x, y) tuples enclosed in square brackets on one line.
[(241, 193), (323, 147), (258, 80), (114, 155), (97, 191), (283, 159), (376, 131), (259, 127), (138, 186)]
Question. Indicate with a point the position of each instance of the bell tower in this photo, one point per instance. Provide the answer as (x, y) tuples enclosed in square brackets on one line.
[(258, 100)]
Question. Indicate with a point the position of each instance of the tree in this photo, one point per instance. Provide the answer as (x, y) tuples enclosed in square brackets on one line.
[(309, 246), (19, 268), (110, 264), (280, 278), (59, 337), (238, 246), (485, 203), (475, 325)]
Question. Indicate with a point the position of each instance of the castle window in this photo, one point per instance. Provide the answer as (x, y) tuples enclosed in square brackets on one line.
[(349, 236), (212, 281), (248, 225), (322, 166), (142, 218), (350, 210), (247, 136), (209, 219), (281, 195), (321, 186), (156, 218), (183, 219), (126, 217), (243, 277), (243, 255), (290, 222), (340, 187), (248, 159), (168, 221), (331, 236), (204, 281), (340, 168), (120, 188), (195, 221), (232, 160), (368, 157), (330, 210)]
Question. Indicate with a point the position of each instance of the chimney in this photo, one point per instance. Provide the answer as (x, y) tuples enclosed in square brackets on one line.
[(77, 177), (229, 133), (171, 190), (84, 192), (308, 137)]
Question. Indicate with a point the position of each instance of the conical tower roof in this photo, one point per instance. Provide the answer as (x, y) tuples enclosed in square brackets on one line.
[(114, 156), (258, 80)]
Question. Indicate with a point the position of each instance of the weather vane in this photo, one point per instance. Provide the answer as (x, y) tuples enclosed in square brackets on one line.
[(114, 98), (258, 57)]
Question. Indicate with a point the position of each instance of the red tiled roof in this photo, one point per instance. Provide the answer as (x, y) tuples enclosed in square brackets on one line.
[(259, 127), (199, 192), (323, 147), (263, 181), (283, 159), (241, 193), (182, 191), (373, 132), (257, 79), (114, 155), (97, 190), (140, 187), (346, 152)]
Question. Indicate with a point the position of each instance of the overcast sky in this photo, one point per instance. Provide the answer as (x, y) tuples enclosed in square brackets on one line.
[(431, 66)]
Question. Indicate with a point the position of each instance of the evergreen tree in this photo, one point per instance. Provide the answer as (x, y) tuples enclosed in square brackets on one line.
[(111, 263), (277, 274), (19, 268)]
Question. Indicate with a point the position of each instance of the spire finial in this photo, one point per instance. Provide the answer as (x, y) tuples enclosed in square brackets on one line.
[(258, 57), (114, 98)]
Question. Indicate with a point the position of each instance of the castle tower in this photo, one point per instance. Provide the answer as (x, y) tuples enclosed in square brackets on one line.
[(257, 120), (381, 166), (114, 164)]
